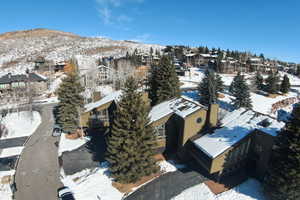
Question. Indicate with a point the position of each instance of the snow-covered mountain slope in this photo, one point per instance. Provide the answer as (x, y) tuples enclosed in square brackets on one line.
[(19, 49)]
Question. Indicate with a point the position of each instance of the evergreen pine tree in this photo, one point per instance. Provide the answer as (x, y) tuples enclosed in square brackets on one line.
[(163, 82), (206, 50), (209, 87), (285, 84), (70, 102), (298, 70), (283, 177), (240, 91), (259, 81), (151, 51), (272, 83), (131, 141)]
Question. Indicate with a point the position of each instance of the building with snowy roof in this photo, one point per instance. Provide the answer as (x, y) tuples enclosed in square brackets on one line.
[(21, 84), (245, 139), (175, 121)]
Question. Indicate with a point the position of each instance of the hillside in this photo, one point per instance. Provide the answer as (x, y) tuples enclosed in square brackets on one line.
[(19, 49)]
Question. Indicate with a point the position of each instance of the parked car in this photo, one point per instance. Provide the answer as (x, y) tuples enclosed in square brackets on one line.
[(64, 193), (57, 131)]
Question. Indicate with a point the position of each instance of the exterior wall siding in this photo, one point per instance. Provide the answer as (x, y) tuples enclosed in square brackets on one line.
[(192, 125)]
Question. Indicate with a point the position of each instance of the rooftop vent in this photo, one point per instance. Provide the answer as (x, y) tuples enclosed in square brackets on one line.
[(264, 123)]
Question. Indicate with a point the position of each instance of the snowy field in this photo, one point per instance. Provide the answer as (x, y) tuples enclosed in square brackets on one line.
[(249, 190), (5, 190), (194, 77), (70, 145), (12, 151), (90, 185), (96, 184), (21, 124), (261, 103)]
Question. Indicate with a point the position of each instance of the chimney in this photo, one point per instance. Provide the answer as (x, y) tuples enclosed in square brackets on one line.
[(9, 75), (213, 112)]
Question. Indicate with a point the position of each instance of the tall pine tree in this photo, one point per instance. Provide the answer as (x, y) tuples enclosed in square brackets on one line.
[(163, 82), (131, 141), (70, 102), (285, 84), (209, 88), (283, 178), (241, 92), (259, 81), (272, 83)]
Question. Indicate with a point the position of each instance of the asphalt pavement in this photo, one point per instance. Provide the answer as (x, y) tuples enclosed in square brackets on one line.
[(37, 173), (168, 185)]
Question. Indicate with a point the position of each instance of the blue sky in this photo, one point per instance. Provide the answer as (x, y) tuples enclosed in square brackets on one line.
[(271, 27)]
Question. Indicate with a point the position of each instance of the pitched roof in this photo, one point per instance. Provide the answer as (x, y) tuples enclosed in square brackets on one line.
[(114, 96), (31, 77), (180, 106), (236, 126)]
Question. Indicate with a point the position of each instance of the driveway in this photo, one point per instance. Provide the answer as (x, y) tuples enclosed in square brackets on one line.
[(87, 156), (168, 185), (37, 173)]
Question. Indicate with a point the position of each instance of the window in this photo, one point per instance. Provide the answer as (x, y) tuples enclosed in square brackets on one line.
[(199, 120), (160, 131), (100, 115)]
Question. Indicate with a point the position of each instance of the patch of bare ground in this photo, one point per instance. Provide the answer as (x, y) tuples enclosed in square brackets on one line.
[(34, 33), (126, 188), (216, 188)]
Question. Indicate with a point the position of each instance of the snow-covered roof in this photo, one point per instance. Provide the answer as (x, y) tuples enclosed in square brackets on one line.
[(255, 59), (236, 126), (205, 55), (190, 55), (181, 106), (108, 98)]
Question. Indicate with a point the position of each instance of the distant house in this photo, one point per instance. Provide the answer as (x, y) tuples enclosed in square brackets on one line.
[(9, 82), (104, 74), (245, 140), (19, 86)]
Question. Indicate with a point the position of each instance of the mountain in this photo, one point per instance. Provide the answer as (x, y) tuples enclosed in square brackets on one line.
[(19, 49)]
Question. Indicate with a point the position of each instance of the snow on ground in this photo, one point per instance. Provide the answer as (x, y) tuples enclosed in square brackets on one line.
[(5, 190), (294, 80), (66, 144), (192, 78), (88, 185), (55, 83), (105, 89), (198, 192), (95, 184), (264, 104), (21, 124), (12, 151), (249, 190)]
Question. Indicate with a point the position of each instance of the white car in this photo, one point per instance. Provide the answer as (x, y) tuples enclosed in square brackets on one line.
[(64, 193), (57, 131)]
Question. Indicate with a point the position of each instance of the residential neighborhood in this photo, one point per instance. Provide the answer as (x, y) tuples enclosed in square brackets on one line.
[(172, 114)]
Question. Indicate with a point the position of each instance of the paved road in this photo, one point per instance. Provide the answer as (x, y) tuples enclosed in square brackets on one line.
[(37, 174), (168, 185)]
